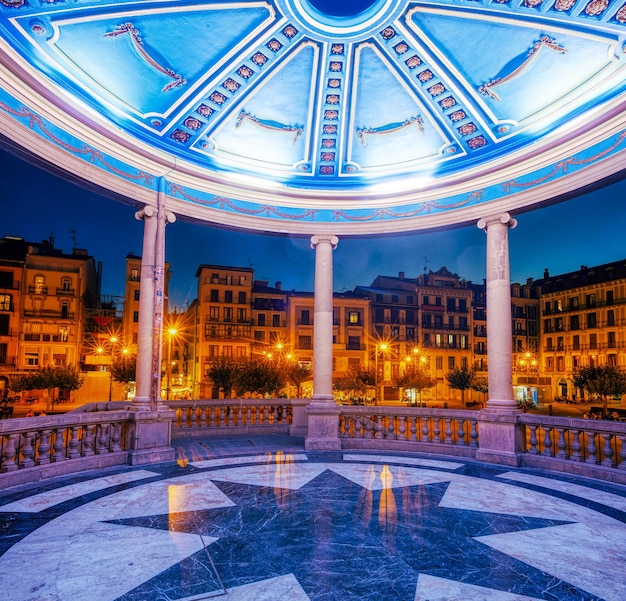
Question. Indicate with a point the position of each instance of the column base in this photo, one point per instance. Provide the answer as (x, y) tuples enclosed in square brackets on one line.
[(299, 422), (150, 437), (500, 437), (322, 425)]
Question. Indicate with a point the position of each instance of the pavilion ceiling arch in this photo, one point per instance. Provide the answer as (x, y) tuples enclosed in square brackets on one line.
[(283, 116)]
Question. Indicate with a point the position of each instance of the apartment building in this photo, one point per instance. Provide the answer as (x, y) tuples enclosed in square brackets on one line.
[(583, 314), (46, 296)]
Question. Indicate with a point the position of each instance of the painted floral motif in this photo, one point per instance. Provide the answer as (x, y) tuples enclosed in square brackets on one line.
[(331, 115), (447, 103), (457, 116), (621, 14), (467, 129), (259, 59), (330, 129), (180, 136), (38, 28), (13, 3), (425, 76), (336, 66), (327, 156), (245, 72), (290, 31), (192, 123), (336, 49), (596, 7), (414, 61), (329, 143), (327, 170), (477, 142), (274, 45), (532, 3), (218, 98), (388, 33), (334, 83), (231, 85), (332, 99), (436, 90), (401, 48), (204, 110), (564, 4)]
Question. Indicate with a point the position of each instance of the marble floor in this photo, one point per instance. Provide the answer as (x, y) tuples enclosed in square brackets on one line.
[(260, 519)]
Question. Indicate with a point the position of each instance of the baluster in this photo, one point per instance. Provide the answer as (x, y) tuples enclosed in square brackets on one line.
[(59, 446), (448, 432), (102, 439), (413, 422), (27, 450), (194, 418), (562, 453), (576, 456), (43, 448), (461, 433), (8, 463), (378, 427), (622, 453), (425, 429), (401, 428), (358, 427), (607, 450), (591, 448), (116, 436), (88, 440), (249, 415), (436, 429), (240, 415), (547, 442), (473, 433), (533, 440), (73, 444), (231, 415)]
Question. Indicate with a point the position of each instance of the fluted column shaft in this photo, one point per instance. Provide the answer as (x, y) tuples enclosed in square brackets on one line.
[(499, 328), (323, 317)]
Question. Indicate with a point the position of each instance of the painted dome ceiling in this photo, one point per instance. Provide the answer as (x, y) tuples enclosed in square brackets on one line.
[(310, 115)]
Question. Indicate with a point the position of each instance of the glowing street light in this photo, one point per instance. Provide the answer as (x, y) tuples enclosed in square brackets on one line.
[(381, 347), (171, 333)]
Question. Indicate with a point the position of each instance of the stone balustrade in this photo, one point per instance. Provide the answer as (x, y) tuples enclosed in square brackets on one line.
[(443, 431), (46, 446), (596, 448), (230, 416)]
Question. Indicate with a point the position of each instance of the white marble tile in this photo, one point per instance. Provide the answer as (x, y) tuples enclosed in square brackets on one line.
[(448, 465), (498, 497), (266, 458), (584, 492), (290, 476), (431, 588), (590, 559), (379, 477), (281, 588), (50, 498)]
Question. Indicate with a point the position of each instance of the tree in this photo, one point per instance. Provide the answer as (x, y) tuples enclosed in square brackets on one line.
[(601, 380), (417, 378), (297, 373), (460, 378), (258, 377), (63, 377), (124, 370), (223, 373), (355, 383)]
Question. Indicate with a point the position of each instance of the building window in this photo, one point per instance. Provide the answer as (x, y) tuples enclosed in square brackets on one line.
[(259, 335), (228, 313), (451, 304), (227, 351), (593, 341), (576, 343), (611, 342), (136, 294), (261, 319), (462, 305), (410, 333), (4, 347), (304, 342), (560, 345), (573, 302), (425, 300), (63, 334), (547, 307), (214, 351), (241, 352), (31, 358), (228, 296), (135, 316), (5, 302), (354, 343), (439, 363), (450, 362), (215, 296), (558, 324), (451, 341), (438, 341), (610, 317), (394, 298), (305, 318), (612, 360), (242, 298), (574, 322), (591, 300), (549, 346), (242, 315), (65, 310), (547, 325), (276, 320), (134, 275), (591, 320), (40, 284), (353, 318), (463, 341), (558, 305), (410, 299), (214, 313), (609, 297), (4, 325), (66, 284)]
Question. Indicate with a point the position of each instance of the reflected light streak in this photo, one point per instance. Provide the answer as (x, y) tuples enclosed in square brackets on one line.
[(387, 508)]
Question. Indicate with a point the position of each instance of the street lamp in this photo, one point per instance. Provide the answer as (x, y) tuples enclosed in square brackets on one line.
[(113, 340), (380, 347), (527, 363), (171, 332)]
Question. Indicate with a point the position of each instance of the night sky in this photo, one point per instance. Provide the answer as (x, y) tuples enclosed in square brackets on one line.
[(35, 205)]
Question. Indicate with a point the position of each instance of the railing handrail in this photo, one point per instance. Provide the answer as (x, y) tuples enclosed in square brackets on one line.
[(30, 424)]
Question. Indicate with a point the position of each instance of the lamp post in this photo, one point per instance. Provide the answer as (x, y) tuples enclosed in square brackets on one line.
[(380, 347), (171, 333), (113, 340), (527, 363)]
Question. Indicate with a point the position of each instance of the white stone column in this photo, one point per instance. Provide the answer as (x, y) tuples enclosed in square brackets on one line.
[(146, 309), (500, 436), (323, 413), (499, 327)]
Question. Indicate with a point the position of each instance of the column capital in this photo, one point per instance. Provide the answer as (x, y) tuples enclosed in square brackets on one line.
[(330, 238), (502, 218), (147, 211)]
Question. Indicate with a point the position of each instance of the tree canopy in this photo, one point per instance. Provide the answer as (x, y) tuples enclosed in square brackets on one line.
[(601, 380), (49, 377), (460, 378)]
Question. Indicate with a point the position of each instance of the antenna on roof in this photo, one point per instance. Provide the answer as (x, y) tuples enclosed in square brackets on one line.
[(73, 237), (425, 264)]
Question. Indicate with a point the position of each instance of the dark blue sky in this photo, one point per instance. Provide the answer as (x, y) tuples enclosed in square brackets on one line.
[(589, 229)]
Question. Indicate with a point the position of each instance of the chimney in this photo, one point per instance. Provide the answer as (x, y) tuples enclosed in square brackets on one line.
[(401, 275), (278, 285), (546, 273)]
